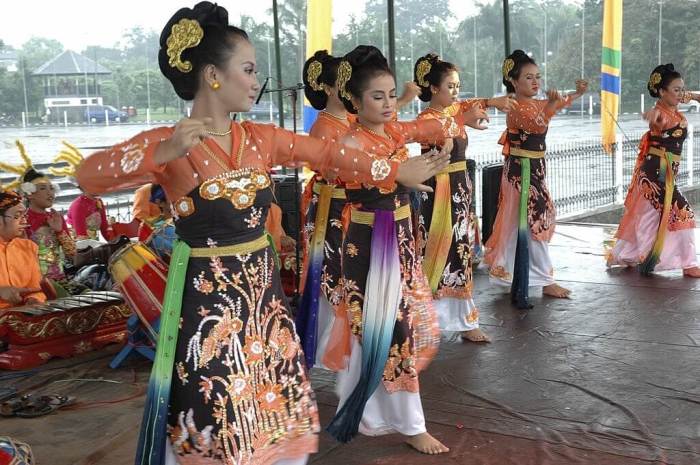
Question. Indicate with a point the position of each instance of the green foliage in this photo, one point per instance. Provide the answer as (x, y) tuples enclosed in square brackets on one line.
[(421, 26)]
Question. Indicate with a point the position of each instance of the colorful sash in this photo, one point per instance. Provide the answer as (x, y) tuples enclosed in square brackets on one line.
[(151, 445), (381, 305), (521, 269), (437, 247), (665, 170), (307, 318)]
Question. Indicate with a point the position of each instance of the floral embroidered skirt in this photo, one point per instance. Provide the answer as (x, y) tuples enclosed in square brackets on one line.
[(640, 222), (239, 392)]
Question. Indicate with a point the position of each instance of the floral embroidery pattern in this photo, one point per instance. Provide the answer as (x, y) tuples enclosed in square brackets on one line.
[(351, 249), (239, 187), (245, 354), (253, 220), (132, 158), (380, 169)]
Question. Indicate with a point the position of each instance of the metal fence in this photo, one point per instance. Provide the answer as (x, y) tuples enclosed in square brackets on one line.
[(118, 204), (582, 177)]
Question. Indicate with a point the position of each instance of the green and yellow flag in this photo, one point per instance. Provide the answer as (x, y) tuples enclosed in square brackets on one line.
[(318, 37), (610, 71)]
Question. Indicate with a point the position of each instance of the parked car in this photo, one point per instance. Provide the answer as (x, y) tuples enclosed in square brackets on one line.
[(690, 107), (96, 114)]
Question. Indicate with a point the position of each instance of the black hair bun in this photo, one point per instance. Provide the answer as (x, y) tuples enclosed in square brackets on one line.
[(212, 49), (366, 62), (660, 78), (512, 66), (314, 80), (366, 56)]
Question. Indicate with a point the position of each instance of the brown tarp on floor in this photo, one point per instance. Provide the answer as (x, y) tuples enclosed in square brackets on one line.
[(609, 377)]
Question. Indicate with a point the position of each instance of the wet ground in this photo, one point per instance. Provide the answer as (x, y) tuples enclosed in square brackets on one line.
[(607, 377), (44, 142)]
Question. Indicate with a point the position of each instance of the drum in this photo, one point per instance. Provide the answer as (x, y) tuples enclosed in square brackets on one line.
[(161, 241), (141, 276)]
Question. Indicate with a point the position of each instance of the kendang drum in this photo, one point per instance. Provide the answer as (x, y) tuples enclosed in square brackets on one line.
[(141, 276)]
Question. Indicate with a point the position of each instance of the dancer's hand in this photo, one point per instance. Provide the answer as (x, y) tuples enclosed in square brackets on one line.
[(188, 133), (15, 295), (655, 118), (504, 103), (553, 96), (476, 118), (412, 172), (410, 92), (581, 86), (287, 243), (55, 221), (447, 146)]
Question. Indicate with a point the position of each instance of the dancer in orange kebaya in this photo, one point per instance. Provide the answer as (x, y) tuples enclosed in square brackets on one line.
[(517, 251), (657, 231), (323, 205), (444, 219), (228, 383), (385, 322)]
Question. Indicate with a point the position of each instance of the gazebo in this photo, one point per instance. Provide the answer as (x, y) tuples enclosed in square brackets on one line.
[(70, 84)]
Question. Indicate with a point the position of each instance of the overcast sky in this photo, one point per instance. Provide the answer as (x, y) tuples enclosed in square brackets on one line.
[(79, 23)]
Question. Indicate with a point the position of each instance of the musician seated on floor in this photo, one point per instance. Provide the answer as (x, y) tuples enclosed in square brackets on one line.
[(46, 226), (20, 275), (88, 218)]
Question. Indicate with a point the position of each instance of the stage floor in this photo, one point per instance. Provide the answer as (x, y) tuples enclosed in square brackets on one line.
[(607, 377)]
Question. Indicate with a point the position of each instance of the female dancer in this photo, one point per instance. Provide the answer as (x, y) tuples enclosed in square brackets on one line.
[(228, 384), (517, 251), (387, 305), (443, 223), (657, 229), (324, 200)]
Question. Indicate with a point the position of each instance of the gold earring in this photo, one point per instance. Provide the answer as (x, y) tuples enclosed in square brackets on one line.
[(215, 85)]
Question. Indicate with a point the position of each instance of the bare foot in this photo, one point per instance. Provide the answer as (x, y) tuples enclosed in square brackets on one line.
[(475, 335), (693, 272), (555, 290), (426, 444)]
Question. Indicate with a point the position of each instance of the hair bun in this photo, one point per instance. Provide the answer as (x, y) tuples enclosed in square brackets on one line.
[(366, 55), (660, 77)]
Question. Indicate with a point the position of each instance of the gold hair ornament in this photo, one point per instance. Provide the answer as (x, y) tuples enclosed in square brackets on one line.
[(508, 65), (422, 71), (344, 73), (72, 157), (19, 170), (654, 81), (186, 33), (312, 74)]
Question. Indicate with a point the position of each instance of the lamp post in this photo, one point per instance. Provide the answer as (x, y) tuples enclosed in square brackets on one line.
[(545, 53), (583, 45), (269, 72), (476, 93), (661, 13), (410, 67)]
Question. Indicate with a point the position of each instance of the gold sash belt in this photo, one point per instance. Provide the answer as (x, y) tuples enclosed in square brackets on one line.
[(229, 250)]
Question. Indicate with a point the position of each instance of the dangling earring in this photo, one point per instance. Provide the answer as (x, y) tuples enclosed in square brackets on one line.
[(215, 85)]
